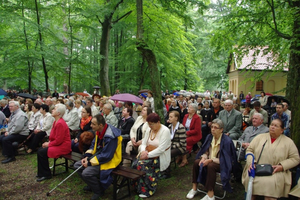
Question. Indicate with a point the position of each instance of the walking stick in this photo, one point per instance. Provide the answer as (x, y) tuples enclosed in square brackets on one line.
[(251, 177), (48, 193)]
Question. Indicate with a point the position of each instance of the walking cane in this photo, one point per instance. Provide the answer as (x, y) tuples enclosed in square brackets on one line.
[(251, 177), (48, 193)]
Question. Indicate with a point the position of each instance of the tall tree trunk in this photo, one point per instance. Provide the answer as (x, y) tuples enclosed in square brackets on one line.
[(41, 45), (149, 56), (104, 49), (27, 48), (71, 51), (293, 79)]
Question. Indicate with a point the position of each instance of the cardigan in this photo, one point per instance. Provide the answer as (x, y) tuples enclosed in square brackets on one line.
[(179, 139), (163, 149)]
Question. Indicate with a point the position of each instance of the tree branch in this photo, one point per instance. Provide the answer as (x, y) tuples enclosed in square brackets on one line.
[(285, 36), (125, 15), (99, 20)]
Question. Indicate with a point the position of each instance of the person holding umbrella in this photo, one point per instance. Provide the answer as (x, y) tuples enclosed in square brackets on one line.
[(278, 150)]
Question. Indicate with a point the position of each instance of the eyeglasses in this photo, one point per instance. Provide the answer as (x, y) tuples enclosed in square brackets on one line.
[(151, 124), (215, 127)]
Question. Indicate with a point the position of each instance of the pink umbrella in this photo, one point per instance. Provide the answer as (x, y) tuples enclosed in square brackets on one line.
[(127, 97)]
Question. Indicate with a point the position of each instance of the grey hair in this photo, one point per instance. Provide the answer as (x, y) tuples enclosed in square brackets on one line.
[(260, 115), (4, 101), (61, 108), (15, 103), (228, 101), (194, 105), (219, 122), (70, 103), (121, 102), (108, 106)]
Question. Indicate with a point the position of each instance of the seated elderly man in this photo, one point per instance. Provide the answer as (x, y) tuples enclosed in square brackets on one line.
[(251, 131), (258, 109), (17, 131), (109, 115), (232, 120), (71, 116), (118, 110)]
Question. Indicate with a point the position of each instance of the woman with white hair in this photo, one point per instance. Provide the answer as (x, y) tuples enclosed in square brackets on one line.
[(59, 143), (192, 124)]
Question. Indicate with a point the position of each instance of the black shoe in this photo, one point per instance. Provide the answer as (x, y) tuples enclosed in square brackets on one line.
[(96, 196), (37, 176), (43, 178), (8, 159), (87, 188)]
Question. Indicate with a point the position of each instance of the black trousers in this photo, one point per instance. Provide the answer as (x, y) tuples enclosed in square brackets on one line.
[(35, 139), (43, 163), (6, 141)]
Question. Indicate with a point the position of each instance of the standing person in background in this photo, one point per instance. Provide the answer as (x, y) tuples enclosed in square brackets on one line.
[(263, 99), (248, 99), (241, 97), (150, 99)]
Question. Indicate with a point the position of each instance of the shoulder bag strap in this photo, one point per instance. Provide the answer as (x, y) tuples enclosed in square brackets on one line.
[(261, 151)]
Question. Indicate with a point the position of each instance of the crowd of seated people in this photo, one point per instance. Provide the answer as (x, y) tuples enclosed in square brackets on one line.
[(213, 119)]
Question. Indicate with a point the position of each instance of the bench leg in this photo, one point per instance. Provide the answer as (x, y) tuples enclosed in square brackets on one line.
[(115, 187)]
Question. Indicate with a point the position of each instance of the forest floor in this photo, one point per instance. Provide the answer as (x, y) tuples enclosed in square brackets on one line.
[(18, 182)]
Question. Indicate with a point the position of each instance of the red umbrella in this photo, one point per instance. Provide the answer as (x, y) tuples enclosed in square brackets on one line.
[(269, 94), (127, 97), (82, 94)]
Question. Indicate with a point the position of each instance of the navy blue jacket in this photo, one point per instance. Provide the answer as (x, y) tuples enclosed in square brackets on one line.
[(227, 160)]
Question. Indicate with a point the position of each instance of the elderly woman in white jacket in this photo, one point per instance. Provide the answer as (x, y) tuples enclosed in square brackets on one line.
[(43, 128), (155, 155)]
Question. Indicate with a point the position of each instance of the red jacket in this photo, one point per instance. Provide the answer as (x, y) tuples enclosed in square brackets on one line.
[(195, 127), (60, 141)]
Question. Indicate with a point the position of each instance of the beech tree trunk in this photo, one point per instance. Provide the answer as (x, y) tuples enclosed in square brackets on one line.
[(104, 49), (293, 78), (41, 45), (149, 56)]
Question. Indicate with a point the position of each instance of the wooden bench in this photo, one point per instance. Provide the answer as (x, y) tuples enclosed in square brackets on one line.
[(73, 156), (122, 176)]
